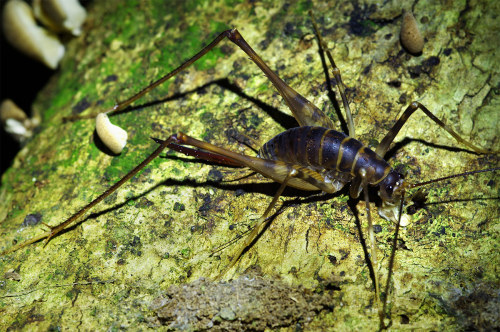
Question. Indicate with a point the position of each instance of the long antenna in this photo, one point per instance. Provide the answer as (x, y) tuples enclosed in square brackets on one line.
[(454, 176)]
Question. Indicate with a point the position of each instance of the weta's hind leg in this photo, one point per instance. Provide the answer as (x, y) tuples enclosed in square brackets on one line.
[(54, 230), (303, 110), (386, 142)]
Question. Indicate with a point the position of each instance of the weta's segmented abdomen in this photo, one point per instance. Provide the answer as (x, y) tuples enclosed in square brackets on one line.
[(322, 148)]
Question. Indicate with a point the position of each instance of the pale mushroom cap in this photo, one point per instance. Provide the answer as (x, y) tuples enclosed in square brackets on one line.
[(114, 137), (22, 32), (411, 38), (61, 15)]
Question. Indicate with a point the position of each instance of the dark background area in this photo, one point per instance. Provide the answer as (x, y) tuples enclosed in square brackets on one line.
[(21, 78)]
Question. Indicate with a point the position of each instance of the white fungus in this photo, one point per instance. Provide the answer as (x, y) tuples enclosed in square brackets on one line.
[(61, 15), (114, 137), (22, 32), (16, 122)]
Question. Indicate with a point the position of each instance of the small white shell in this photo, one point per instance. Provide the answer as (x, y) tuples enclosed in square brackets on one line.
[(61, 15), (410, 36), (22, 32), (114, 137)]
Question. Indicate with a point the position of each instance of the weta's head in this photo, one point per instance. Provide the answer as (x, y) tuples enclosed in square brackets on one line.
[(391, 192), (391, 186)]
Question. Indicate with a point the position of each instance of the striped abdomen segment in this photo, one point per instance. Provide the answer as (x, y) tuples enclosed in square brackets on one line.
[(322, 148)]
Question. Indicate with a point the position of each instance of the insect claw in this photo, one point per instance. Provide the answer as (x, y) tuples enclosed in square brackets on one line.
[(157, 140)]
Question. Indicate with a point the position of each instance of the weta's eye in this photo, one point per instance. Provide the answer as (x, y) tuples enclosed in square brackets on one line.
[(389, 189)]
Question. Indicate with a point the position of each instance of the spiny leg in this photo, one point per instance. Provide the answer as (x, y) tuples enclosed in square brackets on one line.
[(303, 110), (305, 179), (57, 229), (338, 78), (389, 137), (362, 181), (232, 241), (169, 143), (122, 105), (201, 154)]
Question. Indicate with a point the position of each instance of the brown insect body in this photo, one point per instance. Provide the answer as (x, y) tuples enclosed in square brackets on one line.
[(339, 159), (336, 156), (327, 149)]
